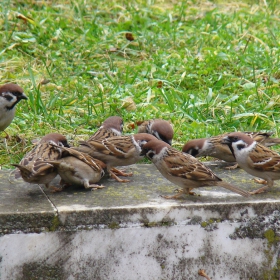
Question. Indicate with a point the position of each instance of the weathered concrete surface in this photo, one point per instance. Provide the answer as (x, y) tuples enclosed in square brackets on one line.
[(23, 207), (127, 231)]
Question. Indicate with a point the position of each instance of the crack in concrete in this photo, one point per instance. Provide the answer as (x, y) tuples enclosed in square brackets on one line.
[(50, 201)]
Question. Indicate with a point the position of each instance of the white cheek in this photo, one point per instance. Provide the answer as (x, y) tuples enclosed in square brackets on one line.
[(241, 155), (116, 132), (158, 157)]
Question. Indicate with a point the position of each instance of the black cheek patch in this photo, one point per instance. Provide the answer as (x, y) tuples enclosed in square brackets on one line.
[(150, 155), (240, 146), (8, 97), (193, 152)]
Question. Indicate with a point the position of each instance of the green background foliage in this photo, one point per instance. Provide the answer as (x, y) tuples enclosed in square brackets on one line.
[(207, 66)]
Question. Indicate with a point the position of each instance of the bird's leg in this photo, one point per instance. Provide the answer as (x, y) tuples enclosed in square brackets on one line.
[(190, 192), (113, 175), (263, 189), (93, 187), (260, 190), (232, 167), (175, 196), (260, 181), (53, 189), (179, 194), (120, 172), (202, 273)]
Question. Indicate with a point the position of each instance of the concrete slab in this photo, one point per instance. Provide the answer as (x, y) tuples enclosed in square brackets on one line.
[(127, 231), (23, 207), (121, 203)]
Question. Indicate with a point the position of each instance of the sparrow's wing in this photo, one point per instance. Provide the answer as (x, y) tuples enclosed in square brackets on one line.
[(188, 167), (264, 159)]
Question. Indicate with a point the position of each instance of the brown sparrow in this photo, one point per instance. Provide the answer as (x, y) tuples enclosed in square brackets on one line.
[(214, 146), (112, 126), (10, 95), (34, 169), (116, 151), (161, 129), (76, 168), (183, 169), (254, 158)]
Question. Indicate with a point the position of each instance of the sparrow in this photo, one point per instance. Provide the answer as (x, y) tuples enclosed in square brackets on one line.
[(33, 168), (10, 96), (76, 168), (112, 126), (183, 169), (254, 158), (161, 129), (214, 146), (116, 151)]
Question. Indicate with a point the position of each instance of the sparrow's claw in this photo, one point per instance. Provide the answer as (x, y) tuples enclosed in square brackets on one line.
[(96, 187), (121, 172), (55, 189), (176, 196), (113, 175), (232, 167), (261, 190), (260, 181)]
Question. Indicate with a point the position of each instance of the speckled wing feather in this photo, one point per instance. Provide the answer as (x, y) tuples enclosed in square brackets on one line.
[(264, 159), (187, 167), (95, 164), (34, 160), (102, 133), (118, 146), (223, 148)]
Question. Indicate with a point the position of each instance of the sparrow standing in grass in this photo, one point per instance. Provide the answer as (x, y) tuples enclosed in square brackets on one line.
[(254, 158), (10, 96), (33, 167), (161, 129), (76, 168), (183, 169), (116, 151)]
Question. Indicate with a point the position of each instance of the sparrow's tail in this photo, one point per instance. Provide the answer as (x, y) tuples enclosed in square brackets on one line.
[(268, 142), (22, 171), (233, 188)]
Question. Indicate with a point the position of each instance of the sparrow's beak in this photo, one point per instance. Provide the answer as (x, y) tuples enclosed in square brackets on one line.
[(23, 96), (226, 140)]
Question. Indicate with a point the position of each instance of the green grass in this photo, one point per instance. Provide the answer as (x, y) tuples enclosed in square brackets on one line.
[(209, 67)]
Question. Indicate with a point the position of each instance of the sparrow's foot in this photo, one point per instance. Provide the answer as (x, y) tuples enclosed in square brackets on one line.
[(202, 273), (121, 172), (95, 187), (188, 191), (113, 175), (176, 196), (261, 190), (260, 181), (232, 167), (55, 189), (192, 193)]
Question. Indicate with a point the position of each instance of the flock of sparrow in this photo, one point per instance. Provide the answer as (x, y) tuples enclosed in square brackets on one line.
[(107, 148)]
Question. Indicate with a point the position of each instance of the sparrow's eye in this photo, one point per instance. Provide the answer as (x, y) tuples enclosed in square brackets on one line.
[(240, 146)]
